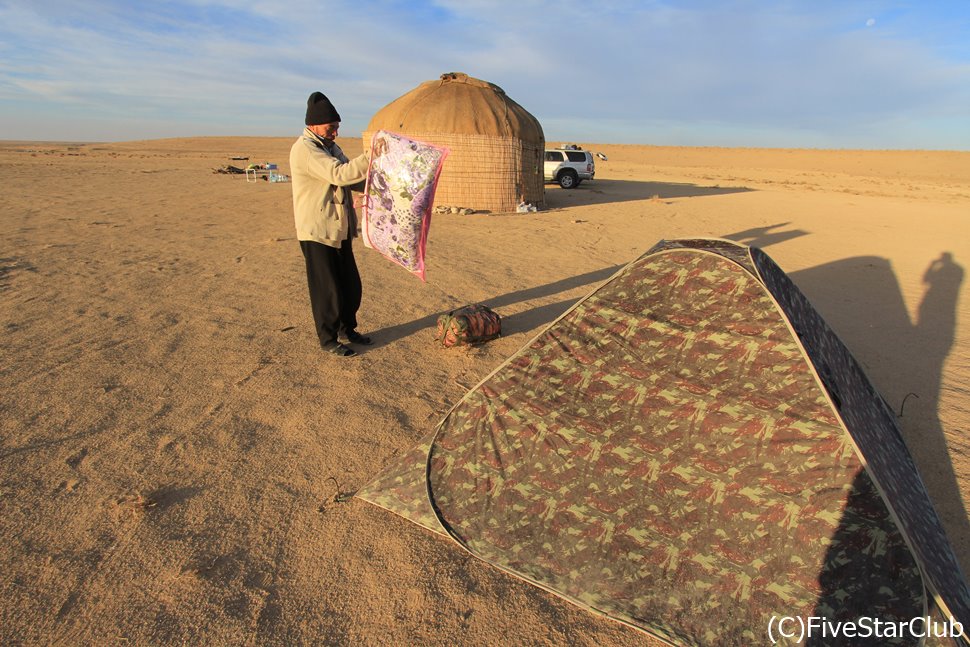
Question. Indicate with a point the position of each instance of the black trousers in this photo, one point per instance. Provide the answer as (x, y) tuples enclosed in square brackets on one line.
[(335, 288)]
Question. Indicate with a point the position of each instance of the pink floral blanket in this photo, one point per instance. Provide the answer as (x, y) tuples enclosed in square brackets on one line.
[(398, 198)]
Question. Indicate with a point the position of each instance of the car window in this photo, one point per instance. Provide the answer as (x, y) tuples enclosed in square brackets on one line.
[(576, 156), (553, 156)]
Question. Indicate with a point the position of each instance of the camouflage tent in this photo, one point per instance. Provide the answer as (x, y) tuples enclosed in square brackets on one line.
[(691, 450)]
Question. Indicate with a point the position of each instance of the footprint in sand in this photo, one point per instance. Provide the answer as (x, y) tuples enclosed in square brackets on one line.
[(75, 459), (68, 486)]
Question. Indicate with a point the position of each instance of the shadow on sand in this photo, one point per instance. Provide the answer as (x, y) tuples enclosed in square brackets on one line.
[(609, 191), (908, 356), (763, 236), (514, 323), (860, 298), (542, 315), (878, 323)]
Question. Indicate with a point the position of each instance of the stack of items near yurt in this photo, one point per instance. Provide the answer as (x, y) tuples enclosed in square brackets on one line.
[(495, 145)]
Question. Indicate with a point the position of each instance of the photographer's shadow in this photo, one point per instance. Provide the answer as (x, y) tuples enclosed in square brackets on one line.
[(910, 378)]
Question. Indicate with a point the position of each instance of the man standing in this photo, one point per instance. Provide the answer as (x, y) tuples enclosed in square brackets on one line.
[(326, 223)]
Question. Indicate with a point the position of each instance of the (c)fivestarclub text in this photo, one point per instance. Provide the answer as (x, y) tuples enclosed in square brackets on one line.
[(798, 628)]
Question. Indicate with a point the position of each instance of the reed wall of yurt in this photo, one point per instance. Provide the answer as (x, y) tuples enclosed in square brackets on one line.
[(485, 173), (495, 146)]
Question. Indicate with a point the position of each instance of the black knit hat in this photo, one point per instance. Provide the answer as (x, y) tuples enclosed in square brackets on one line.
[(319, 110)]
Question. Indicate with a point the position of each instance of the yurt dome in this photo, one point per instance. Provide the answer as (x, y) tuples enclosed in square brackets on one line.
[(495, 146)]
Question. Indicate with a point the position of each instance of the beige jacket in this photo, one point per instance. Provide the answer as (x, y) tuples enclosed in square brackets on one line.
[(322, 182)]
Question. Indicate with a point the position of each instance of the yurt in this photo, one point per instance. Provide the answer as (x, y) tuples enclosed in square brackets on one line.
[(496, 146)]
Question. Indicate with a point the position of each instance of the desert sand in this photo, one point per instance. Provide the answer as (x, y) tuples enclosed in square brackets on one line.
[(176, 451)]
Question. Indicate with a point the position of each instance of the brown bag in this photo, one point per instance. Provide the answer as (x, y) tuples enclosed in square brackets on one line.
[(467, 326)]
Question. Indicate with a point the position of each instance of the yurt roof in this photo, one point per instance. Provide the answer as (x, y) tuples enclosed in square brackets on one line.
[(458, 104)]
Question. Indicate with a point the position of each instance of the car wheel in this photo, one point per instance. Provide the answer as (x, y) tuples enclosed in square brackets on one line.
[(568, 179)]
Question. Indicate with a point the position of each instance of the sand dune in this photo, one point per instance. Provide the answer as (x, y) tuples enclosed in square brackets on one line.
[(173, 439)]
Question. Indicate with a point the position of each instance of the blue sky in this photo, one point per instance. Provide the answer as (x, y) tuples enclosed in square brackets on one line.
[(807, 73)]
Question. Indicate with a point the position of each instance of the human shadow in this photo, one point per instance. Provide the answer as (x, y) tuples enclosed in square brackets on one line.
[(879, 322), (514, 323), (856, 580), (610, 191), (909, 378), (765, 236)]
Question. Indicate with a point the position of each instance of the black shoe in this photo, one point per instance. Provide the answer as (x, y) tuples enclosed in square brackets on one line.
[(339, 349), (355, 337)]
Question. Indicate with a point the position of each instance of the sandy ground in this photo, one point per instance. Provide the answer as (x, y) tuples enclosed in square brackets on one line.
[(172, 439)]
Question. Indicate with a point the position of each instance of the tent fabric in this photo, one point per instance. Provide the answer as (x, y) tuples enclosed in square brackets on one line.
[(873, 428), (689, 450), (496, 146)]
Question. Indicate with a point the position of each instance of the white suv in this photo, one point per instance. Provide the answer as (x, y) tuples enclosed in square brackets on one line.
[(568, 166)]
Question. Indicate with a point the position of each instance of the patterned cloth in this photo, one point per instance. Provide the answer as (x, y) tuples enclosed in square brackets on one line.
[(401, 182), (468, 326), (677, 452)]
